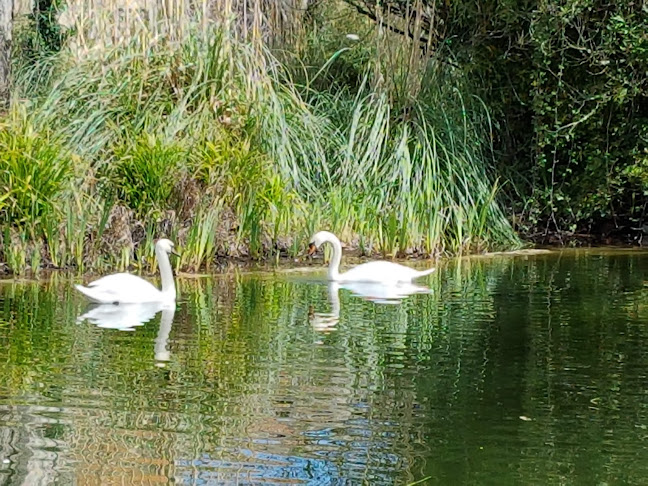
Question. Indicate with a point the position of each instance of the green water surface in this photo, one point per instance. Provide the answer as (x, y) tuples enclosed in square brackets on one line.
[(509, 370)]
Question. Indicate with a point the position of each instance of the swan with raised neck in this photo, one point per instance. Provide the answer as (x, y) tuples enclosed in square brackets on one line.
[(124, 288)]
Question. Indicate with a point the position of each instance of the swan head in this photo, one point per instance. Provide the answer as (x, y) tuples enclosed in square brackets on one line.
[(167, 246), (319, 239)]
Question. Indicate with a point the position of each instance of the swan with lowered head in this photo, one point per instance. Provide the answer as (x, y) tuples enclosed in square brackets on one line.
[(124, 288), (375, 272)]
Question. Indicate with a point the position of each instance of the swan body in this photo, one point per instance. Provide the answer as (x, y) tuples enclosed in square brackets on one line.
[(124, 288), (370, 272)]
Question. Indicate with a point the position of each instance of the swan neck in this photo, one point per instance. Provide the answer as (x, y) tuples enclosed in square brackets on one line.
[(166, 273), (334, 265)]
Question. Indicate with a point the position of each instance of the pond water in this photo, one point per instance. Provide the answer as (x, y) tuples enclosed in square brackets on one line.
[(509, 370)]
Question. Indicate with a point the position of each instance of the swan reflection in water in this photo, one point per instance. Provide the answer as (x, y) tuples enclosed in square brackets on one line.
[(126, 317), (326, 321), (380, 293)]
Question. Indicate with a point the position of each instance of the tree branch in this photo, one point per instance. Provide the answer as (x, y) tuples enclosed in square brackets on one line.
[(364, 10)]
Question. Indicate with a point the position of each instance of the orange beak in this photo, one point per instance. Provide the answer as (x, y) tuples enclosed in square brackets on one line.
[(311, 249)]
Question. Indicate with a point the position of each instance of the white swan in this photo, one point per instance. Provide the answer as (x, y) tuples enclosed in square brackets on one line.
[(375, 272), (124, 288)]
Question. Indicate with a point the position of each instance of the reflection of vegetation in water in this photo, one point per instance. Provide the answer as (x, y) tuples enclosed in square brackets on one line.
[(561, 336), (580, 385), (434, 386), (234, 355)]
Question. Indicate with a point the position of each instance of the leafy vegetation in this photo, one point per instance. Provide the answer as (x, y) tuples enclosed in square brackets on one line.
[(216, 138), (589, 88), (139, 174), (567, 81), (394, 127), (34, 172)]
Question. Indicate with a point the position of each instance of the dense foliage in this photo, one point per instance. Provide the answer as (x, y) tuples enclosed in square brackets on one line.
[(568, 83)]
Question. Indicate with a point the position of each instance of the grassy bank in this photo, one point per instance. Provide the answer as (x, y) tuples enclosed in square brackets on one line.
[(205, 137)]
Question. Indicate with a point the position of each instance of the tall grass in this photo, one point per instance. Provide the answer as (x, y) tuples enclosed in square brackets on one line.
[(203, 135), (34, 171), (140, 173), (416, 184)]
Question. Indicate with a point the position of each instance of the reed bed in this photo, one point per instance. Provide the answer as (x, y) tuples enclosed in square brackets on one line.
[(174, 120)]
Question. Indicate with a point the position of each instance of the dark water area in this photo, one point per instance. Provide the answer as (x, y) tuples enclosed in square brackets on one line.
[(507, 370)]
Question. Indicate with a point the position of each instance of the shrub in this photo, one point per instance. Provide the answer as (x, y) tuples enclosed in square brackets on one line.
[(34, 172), (143, 173)]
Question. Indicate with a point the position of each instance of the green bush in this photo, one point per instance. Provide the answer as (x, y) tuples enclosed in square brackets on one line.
[(566, 81), (244, 178), (34, 172), (218, 129), (143, 173), (230, 163)]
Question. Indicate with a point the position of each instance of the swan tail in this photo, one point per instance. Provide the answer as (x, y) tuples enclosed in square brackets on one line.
[(423, 273)]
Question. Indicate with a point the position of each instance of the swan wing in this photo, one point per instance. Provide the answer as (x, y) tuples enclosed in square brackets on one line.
[(120, 288), (380, 272), (98, 295), (122, 280)]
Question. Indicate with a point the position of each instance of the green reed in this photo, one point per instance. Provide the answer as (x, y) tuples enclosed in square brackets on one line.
[(201, 245)]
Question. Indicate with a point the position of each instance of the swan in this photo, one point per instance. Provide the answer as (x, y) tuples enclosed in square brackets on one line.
[(375, 272), (124, 288)]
